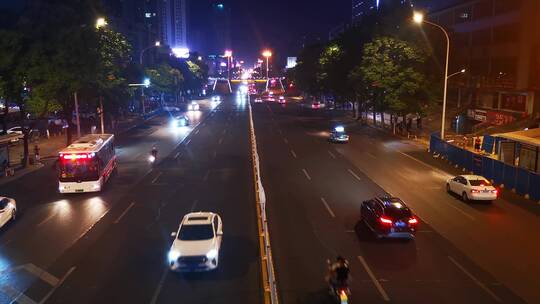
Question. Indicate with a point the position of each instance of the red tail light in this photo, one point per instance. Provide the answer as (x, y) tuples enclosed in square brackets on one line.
[(413, 221), (475, 191), (385, 220), (495, 191)]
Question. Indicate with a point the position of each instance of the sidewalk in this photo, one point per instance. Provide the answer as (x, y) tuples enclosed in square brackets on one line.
[(49, 147)]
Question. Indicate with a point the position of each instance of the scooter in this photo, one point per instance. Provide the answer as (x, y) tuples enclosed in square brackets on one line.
[(153, 156), (340, 292)]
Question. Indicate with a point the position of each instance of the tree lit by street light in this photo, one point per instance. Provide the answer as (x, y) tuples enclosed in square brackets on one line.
[(101, 22)]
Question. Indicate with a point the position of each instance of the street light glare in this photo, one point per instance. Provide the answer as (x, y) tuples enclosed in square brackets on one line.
[(267, 53), (101, 22), (228, 53), (146, 82), (418, 17), (463, 70), (157, 43)]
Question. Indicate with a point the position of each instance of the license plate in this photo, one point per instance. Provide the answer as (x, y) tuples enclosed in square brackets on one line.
[(400, 224), (79, 190), (486, 191)]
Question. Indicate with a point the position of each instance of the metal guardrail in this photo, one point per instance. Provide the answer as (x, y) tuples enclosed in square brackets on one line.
[(267, 265)]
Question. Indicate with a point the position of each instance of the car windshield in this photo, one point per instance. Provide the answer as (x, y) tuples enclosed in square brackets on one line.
[(479, 182), (196, 232), (398, 213)]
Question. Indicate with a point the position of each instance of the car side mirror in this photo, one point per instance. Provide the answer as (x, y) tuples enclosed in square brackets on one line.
[(173, 234)]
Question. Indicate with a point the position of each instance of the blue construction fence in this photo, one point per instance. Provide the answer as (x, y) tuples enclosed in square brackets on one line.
[(523, 181)]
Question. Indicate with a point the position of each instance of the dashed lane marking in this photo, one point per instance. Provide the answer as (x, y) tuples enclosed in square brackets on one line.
[(328, 207), (157, 177), (331, 154), (475, 280), (354, 174), (376, 282), (160, 286), (124, 213), (306, 174), (293, 154)]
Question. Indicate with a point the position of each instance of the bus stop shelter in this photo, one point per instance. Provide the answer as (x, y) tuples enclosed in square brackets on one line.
[(520, 149)]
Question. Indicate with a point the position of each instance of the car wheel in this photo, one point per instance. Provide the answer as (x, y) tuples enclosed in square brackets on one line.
[(465, 197), (13, 214), (448, 188)]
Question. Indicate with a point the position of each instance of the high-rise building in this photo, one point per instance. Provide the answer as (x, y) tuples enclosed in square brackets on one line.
[(361, 8), (173, 20)]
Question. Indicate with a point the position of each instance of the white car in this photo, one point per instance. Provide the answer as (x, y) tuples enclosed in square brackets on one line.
[(197, 243), (8, 210), (193, 106), (472, 187)]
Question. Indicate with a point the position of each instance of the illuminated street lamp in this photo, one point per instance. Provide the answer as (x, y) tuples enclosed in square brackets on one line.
[(418, 18), (101, 22), (267, 54), (156, 44)]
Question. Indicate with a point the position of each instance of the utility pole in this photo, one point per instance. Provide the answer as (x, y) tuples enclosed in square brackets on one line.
[(77, 116)]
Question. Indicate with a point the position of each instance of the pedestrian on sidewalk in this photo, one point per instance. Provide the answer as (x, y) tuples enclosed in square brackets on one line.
[(36, 153), (477, 144)]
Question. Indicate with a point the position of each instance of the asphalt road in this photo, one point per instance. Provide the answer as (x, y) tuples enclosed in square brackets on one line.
[(314, 190), (111, 247)]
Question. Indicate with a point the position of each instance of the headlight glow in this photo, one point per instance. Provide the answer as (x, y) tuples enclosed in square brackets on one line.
[(173, 255), (212, 254)]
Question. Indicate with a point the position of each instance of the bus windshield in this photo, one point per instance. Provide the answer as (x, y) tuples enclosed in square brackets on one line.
[(78, 170)]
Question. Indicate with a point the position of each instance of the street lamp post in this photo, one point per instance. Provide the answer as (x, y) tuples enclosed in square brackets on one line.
[(419, 19), (267, 54), (228, 55), (156, 44)]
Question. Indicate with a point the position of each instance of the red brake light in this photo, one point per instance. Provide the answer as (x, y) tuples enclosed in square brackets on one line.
[(385, 220), (413, 221), (495, 191), (475, 191)]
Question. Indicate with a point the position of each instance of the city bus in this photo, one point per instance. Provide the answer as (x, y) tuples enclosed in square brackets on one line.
[(86, 164)]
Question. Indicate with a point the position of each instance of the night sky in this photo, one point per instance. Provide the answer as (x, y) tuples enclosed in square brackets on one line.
[(277, 24)]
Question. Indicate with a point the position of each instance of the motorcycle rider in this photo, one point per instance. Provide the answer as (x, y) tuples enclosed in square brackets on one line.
[(154, 151), (338, 273)]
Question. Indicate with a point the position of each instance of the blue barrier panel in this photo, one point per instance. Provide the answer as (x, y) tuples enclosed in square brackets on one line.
[(522, 181), (509, 176), (477, 164), (487, 168), (487, 144), (498, 168), (534, 186), (467, 160), (432, 144), (452, 156)]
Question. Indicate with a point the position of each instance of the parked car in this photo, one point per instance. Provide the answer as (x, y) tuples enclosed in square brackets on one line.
[(472, 188)]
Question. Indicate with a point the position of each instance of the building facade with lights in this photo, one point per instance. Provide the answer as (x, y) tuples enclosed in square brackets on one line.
[(173, 23), (495, 41)]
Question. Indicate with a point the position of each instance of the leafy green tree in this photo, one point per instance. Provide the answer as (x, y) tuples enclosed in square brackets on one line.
[(166, 79), (307, 68), (392, 69)]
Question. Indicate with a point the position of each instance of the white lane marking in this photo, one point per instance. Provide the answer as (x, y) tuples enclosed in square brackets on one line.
[(331, 154), (285, 140), (123, 213), (197, 131), (160, 286), (220, 141), (306, 174), (293, 154), (374, 279), (187, 142), (176, 156), (62, 280), (41, 274), (46, 219), (157, 177), (328, 207), (215, 154), (475, 280), (15, 295), (371, 155), (205, 178), (354, 174), (462, 212)]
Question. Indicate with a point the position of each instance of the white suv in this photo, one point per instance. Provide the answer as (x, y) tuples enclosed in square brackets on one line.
[(197, 243)]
